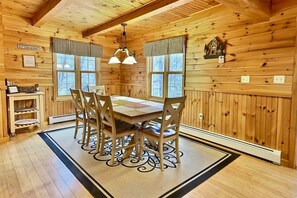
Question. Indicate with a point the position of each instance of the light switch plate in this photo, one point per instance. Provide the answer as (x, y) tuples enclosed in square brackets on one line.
[(221, 59), (279, 79), (245, 79)]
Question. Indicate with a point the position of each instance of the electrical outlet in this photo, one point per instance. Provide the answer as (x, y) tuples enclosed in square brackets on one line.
[(279, 79), (200, 116), (221, 59), (245, 79)]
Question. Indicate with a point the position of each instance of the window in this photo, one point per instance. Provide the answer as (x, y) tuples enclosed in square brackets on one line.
[(166, 75), (72, 71)]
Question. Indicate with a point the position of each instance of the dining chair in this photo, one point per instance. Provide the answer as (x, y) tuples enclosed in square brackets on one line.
[(167, 131), (91, 108), (115, 129), (99, 89), (80, 113)]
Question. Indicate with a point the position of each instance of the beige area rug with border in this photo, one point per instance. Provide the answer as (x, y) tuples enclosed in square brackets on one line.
[(132, 177)]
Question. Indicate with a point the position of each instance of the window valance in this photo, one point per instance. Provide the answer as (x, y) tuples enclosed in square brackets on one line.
[(65, 46), (165, 46)]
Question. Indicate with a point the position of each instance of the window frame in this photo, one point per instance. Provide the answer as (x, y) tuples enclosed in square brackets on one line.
[(77, 73), (165, 73)]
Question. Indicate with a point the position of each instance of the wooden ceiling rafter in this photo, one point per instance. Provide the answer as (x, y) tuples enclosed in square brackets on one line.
[(257, 10), (50, 9), (152, 8)]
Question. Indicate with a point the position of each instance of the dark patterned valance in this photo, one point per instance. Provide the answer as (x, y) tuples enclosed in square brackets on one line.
[(65, 46), (166, 46)]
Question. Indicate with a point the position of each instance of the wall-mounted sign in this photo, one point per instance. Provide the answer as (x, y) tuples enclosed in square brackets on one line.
[(214, 49), (28, 47)]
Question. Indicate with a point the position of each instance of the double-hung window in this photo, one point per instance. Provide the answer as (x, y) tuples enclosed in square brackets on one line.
[(165, 67), (166, 76), (72, 71), (76, 65)]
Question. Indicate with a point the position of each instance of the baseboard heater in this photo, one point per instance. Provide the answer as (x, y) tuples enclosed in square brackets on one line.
[(240, 145), (61, 118)]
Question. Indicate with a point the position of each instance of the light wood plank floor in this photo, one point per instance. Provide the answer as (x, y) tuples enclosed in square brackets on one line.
[(28, 168)]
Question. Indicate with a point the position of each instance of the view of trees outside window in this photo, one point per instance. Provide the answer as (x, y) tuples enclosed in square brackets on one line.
[(175, 81), (168, 69), (65, 73), (88, 69), (157, 79), (67, 68)]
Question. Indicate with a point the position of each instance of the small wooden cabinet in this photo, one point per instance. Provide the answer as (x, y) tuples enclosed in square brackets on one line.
[(36, 109)]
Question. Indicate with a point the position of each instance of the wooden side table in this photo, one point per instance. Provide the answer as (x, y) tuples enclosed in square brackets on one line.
[(36, 108)]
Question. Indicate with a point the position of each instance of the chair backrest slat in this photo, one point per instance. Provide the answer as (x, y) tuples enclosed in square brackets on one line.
[(100, 89), (91, 105), (77, 99), (172, 113), (106, 111)]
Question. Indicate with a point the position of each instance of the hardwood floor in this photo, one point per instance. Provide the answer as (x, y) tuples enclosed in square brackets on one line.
[(30, 169)]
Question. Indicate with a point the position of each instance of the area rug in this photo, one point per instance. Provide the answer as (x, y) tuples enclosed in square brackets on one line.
[(132, 177)]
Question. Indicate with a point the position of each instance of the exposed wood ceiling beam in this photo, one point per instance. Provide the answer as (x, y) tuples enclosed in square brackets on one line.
[(50, 9), (257, 10), (146, 10)]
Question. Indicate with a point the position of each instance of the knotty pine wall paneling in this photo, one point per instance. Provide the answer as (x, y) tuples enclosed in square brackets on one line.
[(18, 30), (257, 112), (3, 114)]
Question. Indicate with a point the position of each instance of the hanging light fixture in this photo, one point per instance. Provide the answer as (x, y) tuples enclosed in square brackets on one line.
[(130, 60)]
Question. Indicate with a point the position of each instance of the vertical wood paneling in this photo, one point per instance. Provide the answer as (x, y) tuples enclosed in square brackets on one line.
[(263, 120)]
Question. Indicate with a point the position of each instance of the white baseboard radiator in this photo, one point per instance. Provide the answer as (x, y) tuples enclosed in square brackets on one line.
[(240, 145), (61, 118)]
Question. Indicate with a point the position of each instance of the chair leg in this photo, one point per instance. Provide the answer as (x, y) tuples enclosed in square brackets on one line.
[(160, 148), (141, 145), (102, 145), (98, 140), (84, 132), (177, 150), (113, 151), (76, 128), (89, 134)]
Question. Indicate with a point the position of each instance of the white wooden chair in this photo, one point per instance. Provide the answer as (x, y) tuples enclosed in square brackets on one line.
[(100, 89), (167, 131), (80, 113)]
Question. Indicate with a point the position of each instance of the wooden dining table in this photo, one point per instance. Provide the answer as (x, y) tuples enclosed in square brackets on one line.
[(135, 111)]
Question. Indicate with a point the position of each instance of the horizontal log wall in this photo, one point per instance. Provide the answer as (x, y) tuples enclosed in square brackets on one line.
[(257, 112), (3, 114), (18, 30)]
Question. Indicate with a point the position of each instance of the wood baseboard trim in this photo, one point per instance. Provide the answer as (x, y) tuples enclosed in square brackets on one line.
[(3, 140)]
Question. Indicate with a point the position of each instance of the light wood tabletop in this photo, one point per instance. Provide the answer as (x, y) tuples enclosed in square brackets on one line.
[(134, 110)]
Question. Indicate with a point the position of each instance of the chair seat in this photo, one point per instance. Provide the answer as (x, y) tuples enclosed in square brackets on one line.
[(154, 130), (121, 126)]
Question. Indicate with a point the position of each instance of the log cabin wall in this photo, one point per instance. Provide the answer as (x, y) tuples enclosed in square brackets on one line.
[(258, 112), (18, 30), (3, 115)]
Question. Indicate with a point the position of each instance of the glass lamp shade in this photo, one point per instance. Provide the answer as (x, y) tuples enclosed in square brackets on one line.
[(130, 60), (114, 60)]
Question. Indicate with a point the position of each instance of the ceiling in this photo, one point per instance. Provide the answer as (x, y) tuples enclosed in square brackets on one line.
[(81, 15)]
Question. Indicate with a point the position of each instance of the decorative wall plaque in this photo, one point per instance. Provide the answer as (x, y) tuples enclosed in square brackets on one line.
[(28, 47), (214, 49), (29, 61)]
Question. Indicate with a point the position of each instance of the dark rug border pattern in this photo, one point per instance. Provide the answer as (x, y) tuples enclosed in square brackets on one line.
[(97, 190)]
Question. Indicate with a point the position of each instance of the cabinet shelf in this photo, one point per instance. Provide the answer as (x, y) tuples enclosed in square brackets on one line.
[(22, 111)]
